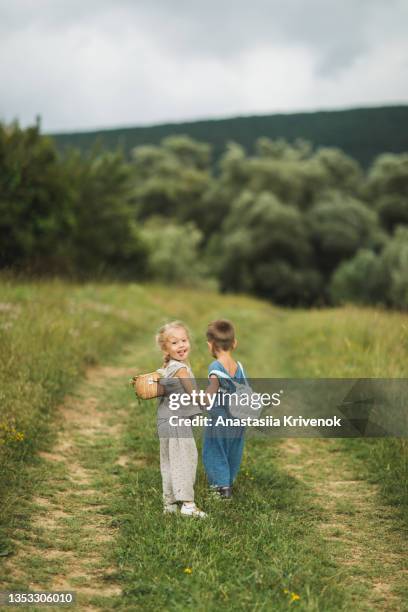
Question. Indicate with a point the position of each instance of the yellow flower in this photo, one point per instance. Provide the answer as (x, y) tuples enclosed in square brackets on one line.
[(294, 597), (188, 570)]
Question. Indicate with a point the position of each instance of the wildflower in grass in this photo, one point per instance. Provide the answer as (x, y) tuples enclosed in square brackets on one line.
[(294, 597), (9, 433), (188, 570)]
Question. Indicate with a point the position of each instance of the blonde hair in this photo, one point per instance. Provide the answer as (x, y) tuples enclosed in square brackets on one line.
[(221, 334), (162, 335)]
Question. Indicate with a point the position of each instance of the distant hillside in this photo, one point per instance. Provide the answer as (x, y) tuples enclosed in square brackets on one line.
[(362, 133)]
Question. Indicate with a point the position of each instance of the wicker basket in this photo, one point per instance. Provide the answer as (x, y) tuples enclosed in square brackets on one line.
[(147, 386)]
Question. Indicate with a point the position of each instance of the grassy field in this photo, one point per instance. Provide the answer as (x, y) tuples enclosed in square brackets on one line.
[(80, 483)]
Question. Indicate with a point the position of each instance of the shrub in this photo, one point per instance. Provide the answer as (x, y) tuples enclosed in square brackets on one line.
[(362, 280), (339, 226), (265, 249), (173, 252), (393, 211), (395, 261)]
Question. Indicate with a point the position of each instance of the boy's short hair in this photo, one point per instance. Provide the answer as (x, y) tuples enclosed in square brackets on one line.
[(221, 334)]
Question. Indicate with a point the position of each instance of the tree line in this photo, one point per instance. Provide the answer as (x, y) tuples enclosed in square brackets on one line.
[(362, 133), (297, 226)]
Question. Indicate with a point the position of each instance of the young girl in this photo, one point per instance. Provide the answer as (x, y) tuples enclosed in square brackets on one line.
[(178, 451), (223, 445)]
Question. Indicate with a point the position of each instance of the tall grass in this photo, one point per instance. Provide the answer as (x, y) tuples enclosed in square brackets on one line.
[(49, 333), (356, 342)]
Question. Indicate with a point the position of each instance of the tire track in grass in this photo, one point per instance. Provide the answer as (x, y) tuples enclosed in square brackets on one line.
[(364, 536), (67, 545)]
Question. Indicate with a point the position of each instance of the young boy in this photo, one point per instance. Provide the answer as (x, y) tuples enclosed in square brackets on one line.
[(223, 444)]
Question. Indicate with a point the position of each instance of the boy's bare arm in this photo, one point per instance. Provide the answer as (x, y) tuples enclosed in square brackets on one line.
[(213, 386)]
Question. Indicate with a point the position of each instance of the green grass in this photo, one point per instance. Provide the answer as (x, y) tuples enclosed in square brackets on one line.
[(254, 553), (356, 342), (250, 554), (49, 333)]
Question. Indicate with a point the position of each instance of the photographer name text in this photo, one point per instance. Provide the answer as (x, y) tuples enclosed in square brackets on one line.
[(267, 421)]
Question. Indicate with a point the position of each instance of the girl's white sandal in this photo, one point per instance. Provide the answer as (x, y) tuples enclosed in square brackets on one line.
[(192, 510)]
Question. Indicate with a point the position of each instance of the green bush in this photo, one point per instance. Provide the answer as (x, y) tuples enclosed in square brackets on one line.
[(393, 211), (362, 280), (105, 238), (395, 261), (388, 176), (171, 179), (339, 226), (35, 200), (71, 215), (173, 252), (266, 250)]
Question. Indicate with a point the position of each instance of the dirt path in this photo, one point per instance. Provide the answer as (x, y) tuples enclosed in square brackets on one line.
[(67, 546), (363, 535)]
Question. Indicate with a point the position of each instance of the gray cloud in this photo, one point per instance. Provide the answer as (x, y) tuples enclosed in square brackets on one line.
[(98, 62)]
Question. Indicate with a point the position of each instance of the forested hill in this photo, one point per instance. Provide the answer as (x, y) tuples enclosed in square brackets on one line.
[(362, 133)]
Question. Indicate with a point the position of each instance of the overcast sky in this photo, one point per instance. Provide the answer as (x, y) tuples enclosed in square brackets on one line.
[(83, 64)]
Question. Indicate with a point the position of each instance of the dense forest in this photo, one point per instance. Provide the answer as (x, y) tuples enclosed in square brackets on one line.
[(292, 223), (361, 133)]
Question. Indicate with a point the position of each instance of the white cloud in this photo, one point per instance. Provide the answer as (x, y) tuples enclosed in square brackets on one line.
[(107, 63)]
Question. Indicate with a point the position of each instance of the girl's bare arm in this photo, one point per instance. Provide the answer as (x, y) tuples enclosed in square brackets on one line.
[(186, 381), (189, 386)]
